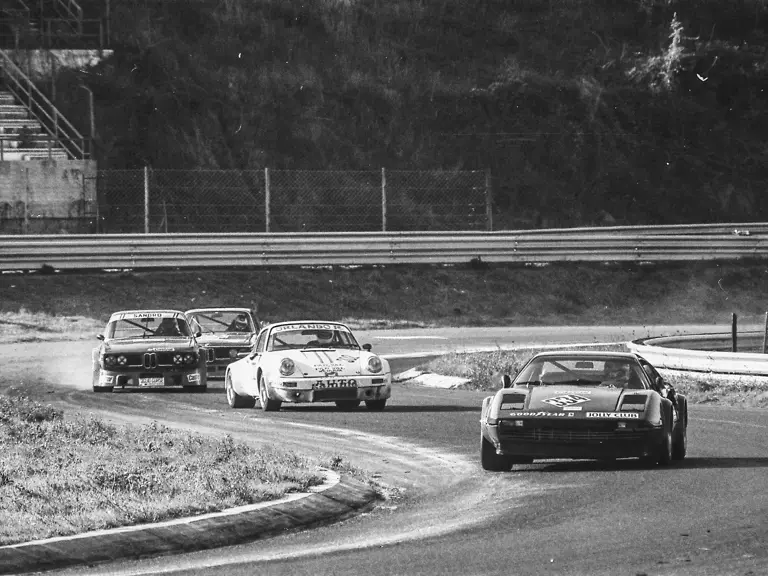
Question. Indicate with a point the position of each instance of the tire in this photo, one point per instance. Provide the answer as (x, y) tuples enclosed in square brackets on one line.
[(347, 404), (267, 405), (664, 456), (680, 439), (376, 405), (491, 461), (234, 399)]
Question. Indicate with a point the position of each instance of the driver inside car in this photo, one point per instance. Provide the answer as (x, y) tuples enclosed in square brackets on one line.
[(323, 339), (615, 374)]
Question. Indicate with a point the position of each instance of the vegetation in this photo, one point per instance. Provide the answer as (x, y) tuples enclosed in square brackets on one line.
[(60, 477), (585, 111)]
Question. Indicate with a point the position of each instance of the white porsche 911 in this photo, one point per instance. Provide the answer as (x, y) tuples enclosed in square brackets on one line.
[(308, 361)]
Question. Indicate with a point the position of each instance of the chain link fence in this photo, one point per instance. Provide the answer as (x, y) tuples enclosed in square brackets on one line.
[(175, 201)]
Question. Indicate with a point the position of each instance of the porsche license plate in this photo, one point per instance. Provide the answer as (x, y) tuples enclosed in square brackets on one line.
[(151, 381), (335, 383)]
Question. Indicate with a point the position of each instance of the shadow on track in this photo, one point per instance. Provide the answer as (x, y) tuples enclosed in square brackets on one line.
[(636, 464)]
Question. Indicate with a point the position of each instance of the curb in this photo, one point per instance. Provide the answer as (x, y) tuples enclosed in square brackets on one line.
[(335, 500)]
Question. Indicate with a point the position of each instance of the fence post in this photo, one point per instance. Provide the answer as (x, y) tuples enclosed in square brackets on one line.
[(146, 199), (488, 201), (26, 201), (733, 332), (383, 200), (266, 199)]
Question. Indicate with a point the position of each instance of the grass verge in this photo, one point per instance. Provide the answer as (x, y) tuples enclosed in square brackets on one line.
[(60, 477)]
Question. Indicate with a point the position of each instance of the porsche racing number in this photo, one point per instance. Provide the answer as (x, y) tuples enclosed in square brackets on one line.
[(334, 383)]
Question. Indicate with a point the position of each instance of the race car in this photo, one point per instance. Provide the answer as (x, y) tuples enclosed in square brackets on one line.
[(308, 361), (226, 335), (148, 349), (583, 405)]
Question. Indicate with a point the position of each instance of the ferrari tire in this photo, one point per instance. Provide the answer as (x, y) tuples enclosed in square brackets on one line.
[(347, 404), (102, 388), (376, 405), (267, 404), (680, 440), (664, 456), (491, 461)]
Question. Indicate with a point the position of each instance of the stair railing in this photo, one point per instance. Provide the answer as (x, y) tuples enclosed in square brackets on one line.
[(57, 126)]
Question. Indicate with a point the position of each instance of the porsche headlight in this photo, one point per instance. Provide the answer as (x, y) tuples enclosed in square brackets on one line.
[(374, 364), (287, 367)]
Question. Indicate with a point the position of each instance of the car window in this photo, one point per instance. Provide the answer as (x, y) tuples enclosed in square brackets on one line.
[(148, 327), (223, 321), (321, 336), (261, 342), (574, 371)]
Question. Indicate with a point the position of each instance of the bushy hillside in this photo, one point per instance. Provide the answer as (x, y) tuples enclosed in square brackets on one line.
[(586, 111)]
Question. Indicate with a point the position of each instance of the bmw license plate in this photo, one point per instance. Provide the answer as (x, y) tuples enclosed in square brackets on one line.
[(151, 381), (334, 383)]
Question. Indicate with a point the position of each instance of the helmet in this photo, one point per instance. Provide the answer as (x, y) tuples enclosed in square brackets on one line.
[(615, 369), (324, 336)]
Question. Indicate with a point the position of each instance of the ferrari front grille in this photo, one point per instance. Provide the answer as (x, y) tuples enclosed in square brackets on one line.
[(561, 435)]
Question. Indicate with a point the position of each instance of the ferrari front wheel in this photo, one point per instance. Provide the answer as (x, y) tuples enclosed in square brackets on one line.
[(267, 405), (234, 399), (490, 460)]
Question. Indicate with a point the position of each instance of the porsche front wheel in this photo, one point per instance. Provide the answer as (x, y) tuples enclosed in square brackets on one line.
[(267, 405), (234, 399)]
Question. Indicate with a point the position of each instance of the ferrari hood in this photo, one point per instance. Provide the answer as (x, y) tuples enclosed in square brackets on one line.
[(574, 398), (170, 344)]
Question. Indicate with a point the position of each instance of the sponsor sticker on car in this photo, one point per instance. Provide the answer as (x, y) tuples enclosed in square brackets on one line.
[(544, 414), (622, 415), (564, 400), (159, 381), (287, 327)]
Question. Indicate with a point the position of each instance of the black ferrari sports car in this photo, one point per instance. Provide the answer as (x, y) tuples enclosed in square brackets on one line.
[(583, 405)]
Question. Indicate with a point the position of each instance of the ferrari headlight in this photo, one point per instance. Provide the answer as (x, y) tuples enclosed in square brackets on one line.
[(374, 364), (287, 367)]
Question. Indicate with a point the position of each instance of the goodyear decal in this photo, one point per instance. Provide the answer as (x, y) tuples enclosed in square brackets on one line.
[(564, 400), (317, 326), (619, 415)]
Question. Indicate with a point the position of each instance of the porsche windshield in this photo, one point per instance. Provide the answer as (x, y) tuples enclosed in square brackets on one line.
[(148, 327), (321, 337), (226, 321), (579, 371)]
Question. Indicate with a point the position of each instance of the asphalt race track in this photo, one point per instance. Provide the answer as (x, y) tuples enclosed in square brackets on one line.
[(707, 515)]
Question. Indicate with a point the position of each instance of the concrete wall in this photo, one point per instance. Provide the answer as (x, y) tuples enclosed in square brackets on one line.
[(48, 196)]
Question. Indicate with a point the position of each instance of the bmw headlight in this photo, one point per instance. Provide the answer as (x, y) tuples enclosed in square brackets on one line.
[(374, 364), (190, 358), (122, 360), (233, 352), (110, 360), (287, 367), (178, 359)]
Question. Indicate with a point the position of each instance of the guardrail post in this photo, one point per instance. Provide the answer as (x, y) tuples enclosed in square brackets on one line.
[(383, 200), (765, 334), (266, 199), (733, 332), (146, 199)]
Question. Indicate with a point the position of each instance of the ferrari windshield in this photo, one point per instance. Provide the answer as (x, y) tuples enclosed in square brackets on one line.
[(148, 327), (216, 321), (619, 372), (298, 336)]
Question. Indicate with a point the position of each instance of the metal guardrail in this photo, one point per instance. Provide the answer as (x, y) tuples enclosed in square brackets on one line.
[(147, 251), (704, 353)]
